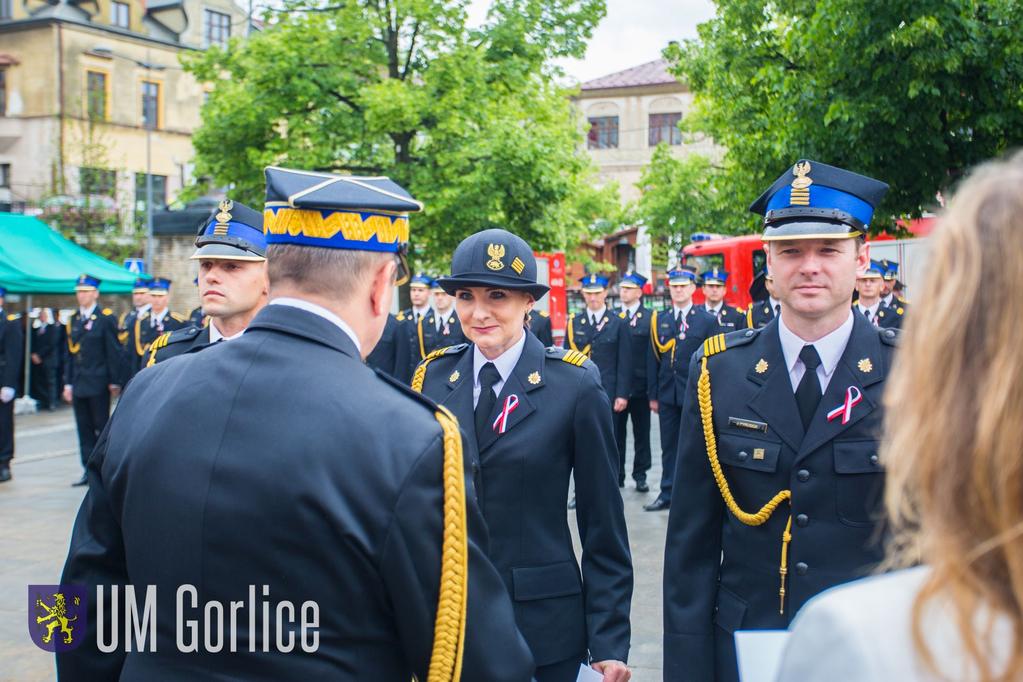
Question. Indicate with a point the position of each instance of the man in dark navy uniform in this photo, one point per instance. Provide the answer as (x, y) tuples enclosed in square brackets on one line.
[(636, 317), (93, 370), (419, 288), (540, 325), (151, 324), (779, 477), (303, 476), (602, 336), (891, 287), (440, 327), (868, 302), (12, 352), (729, 318), (139, 305), (675, 334), (233, 284), (765, 307)]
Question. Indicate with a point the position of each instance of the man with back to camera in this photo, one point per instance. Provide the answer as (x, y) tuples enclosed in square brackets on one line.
[(301, 470), (637, 319)]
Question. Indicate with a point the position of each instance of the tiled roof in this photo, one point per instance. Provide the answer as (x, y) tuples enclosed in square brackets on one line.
[(651, 73)]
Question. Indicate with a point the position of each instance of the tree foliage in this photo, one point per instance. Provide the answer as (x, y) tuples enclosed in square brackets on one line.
[(471, 121), (912, 92)]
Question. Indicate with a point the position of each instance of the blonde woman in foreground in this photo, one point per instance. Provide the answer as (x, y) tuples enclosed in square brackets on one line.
[(955, 472)]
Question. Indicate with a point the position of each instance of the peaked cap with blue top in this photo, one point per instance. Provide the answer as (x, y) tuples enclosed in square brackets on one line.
[(232, 232), (816, 201)]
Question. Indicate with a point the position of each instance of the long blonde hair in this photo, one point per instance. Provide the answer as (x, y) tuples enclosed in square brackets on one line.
[(954, 442)]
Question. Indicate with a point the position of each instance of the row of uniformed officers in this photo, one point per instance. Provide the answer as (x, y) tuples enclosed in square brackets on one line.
[(429, 523)]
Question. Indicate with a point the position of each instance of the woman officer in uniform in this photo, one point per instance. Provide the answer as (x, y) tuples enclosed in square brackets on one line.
[(537, 416)]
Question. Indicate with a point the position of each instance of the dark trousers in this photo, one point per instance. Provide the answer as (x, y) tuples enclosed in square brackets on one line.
[(91, 415), (44, 383), (562, 671), (6, 432), (670, 417), (639, 410)]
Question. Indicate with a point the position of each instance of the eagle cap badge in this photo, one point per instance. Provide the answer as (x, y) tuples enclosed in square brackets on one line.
[(496, 253)]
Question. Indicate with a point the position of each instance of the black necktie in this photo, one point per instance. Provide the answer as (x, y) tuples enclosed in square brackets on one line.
[(808, 393), (489, 376), (777, 309)]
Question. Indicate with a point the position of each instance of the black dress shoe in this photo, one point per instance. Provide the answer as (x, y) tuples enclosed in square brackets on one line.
[(642, 487), (82, 481), (5, 473), (660, 504), (571, 503)]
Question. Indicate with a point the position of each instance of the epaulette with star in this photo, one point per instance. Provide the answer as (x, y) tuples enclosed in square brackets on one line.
[(544, 313), (107, 311), (719, 343), (13, 316)]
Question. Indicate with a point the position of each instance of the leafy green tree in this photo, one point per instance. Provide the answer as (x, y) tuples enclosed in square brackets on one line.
[(471, 121), (913, 92)]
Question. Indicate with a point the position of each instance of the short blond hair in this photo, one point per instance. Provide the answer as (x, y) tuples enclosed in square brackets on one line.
[(955, 399)]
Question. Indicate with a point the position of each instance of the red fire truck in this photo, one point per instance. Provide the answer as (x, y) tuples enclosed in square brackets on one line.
[(550, 270), (743, 257)]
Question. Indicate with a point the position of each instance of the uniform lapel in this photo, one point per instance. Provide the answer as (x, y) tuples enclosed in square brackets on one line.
[(775, 401), (459, 397), (859, 367), (530, 365)]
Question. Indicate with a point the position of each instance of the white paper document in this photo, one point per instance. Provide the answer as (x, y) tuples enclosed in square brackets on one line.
[(759, 653), (588, 674)]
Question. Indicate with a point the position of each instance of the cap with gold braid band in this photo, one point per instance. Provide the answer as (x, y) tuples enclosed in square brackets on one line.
[(338, 212), (813, 200)]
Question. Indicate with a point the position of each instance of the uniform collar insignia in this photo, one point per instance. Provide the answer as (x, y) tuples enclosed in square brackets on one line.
[(761, 366), (865, 365), (534, 378), (454, 376)]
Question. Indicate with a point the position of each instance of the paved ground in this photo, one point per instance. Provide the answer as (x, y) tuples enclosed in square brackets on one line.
[(38, 507)]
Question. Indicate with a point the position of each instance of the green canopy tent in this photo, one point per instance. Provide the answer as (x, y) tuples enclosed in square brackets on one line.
[(34, 259)]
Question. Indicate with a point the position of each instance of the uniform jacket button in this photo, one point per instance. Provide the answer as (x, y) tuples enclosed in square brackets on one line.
[(802, 520), (803, 475), (743, 456), (874, 460), (801, 568)]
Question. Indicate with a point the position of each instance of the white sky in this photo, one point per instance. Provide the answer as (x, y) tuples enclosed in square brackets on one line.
[(633, 32)]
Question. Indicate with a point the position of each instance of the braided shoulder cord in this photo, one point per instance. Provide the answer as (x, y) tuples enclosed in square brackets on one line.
[(765, 512), (449, 629)]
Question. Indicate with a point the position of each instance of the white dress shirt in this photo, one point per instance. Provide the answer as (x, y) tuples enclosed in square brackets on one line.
[(889, 299), (505, 363), (440, 318), (156, 318), (829, 348), (595, 316), (871, 312), (775, 305), (420, 313), (630, 312), (714, 311), (215, 334), (86, 313), (322, 312), (681, 313)]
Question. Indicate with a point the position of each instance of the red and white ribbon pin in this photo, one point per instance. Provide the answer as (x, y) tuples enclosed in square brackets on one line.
[(853, 397), (501, 423)]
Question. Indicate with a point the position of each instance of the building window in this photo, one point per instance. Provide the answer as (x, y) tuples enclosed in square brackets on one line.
[(3, 92), (120, 14), (6, 7), (5, 176), (159, 192), (603, 133), (216, 28), (96, 95), (664, 128), (150, 104), (97, 181)]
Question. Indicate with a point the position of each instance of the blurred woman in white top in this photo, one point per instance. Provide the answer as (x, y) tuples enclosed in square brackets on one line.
[(954, 454)]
